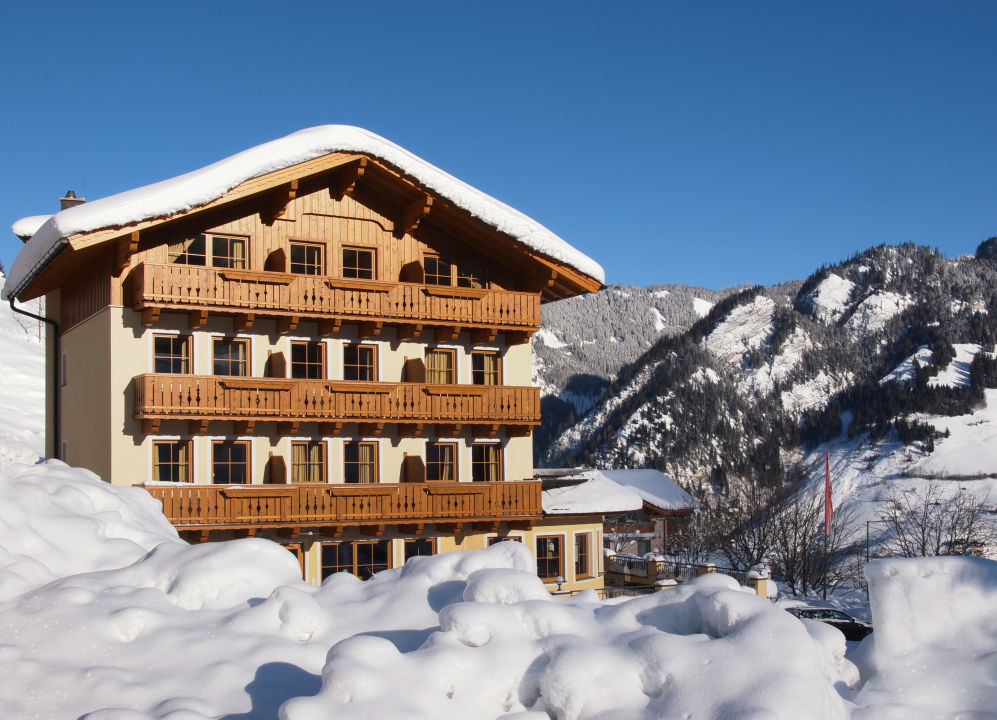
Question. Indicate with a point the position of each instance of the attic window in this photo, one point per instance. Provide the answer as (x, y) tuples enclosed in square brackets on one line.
[(226, 251), (462, 273)]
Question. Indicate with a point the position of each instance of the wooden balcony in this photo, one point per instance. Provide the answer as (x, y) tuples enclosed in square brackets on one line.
[(209, 397), (190, 288), (207, 507)]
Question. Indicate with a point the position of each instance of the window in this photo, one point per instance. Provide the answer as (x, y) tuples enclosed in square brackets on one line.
[(549, 557), (360, 462), (360, 362), (358, 263), (419, 546), (470, 274), (582, 555), (441, 461), (308, 360), (503, 538), (463, 273), (308, 462), (226, 251), (437, 270), (440, 366), (486, 462), (362, 558), (229, 462), (230, 357), (485, 368), (306, 259), (191, 251), (171, 461), (171, 354)]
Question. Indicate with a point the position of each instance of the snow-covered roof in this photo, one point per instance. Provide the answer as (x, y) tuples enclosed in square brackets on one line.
[(199, 187), (595, 495), (654, 487), (28, 226)]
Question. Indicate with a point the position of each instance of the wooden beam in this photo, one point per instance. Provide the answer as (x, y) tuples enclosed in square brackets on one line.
[(520, 524), (243, 321), (370, 329), (455, 528), (278, 201), (483, 336), (407, 332), (446, 334), (412, 528), (150, 316), (489, 526), (412, 215), (410, 430), (125, 248), (197, 319), (344, 182), (541, 281), (288, 427), (204, 535), (373, 429), (488, 431), (197, 427), (376, 530), (244, 427), (331, 428), (336, 531), (517, 337), (287, 323), (150, 426), (251, 532), (518, 430), (329, 327), (449, 430)]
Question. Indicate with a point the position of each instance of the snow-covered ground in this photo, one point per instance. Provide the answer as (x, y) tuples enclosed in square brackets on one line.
[(105, 614)]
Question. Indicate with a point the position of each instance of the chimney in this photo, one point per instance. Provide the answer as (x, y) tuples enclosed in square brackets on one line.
[(70, 200)]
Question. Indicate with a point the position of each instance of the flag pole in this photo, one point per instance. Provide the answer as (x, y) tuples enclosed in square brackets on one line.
[(828, 513)]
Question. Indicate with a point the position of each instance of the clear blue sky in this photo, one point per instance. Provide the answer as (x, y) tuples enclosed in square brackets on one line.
[(700, 143)]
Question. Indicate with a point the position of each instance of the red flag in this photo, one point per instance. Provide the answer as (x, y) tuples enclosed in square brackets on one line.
[(828, 510)]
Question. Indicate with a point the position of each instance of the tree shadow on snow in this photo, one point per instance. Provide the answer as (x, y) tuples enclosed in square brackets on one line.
[(275, 683)]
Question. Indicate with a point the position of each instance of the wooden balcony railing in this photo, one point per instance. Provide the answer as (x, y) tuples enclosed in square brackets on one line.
[(209, 397), (190, 506), (277, 294)]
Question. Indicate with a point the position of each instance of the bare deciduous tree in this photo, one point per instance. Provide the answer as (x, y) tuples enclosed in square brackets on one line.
[(939, 519)]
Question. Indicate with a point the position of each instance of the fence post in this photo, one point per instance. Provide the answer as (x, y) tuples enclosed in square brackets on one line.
[(758, 578), (705, 568)]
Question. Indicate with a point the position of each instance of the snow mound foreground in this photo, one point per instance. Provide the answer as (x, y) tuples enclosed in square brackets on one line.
[(935, 645), (106, 615), (57, 521)]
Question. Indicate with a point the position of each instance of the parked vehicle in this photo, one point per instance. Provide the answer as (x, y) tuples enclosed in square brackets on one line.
[(851, 628)]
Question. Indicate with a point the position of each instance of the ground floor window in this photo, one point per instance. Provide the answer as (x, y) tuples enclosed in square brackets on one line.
[(419, 546), (171, 461), (230, 462), (502, 538), (549, 556), (582, 556), (363, 558)]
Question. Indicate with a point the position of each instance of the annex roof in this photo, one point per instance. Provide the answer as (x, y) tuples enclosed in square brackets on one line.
[(585, 492), (654, 487), (77, 225)]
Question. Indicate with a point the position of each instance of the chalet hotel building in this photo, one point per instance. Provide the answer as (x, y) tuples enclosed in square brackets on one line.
[(323, 340)]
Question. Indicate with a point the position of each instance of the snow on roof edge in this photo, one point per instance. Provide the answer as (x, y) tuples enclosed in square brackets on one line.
[(28, 226), (198, 187)]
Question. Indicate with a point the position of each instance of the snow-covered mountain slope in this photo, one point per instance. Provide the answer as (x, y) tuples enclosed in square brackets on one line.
[(787, 369), (22, 385)]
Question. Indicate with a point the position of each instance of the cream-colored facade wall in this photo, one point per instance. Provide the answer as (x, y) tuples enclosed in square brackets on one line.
[(86, 396)]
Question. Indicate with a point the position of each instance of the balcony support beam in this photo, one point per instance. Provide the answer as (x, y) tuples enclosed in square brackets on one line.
[(375, 429), (516, 337), (150, 427), (126, 247), (410, 429), (485, 431), (412, 528), (329, 327), (287, 323), (150, 316), (407, 332), (412, 215), (242, 321), (447, 334), (197, 427), (197, 319), (331, 429), (369, 329), (244, 427), (344, 182), (277, 202), (483, 336), (449, 429)]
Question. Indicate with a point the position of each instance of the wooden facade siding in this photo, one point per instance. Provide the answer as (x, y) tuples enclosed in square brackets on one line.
[(87, 292), (209, 397), (189, 287), (190, 506)]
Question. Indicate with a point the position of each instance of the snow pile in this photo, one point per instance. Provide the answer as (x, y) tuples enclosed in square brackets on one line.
[(596, 494), (936, 631), (57, 521), (22, 385), (202, 186)]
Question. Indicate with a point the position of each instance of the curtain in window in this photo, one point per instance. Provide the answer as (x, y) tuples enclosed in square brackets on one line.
[(437, 367), (446, 462), (306, 462), (366, 463), (491, 462), (490, 368)]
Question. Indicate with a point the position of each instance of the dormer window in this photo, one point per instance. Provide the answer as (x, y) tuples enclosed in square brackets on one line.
[(358, 263), (438, 271), (307, 259), (463, 273)]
